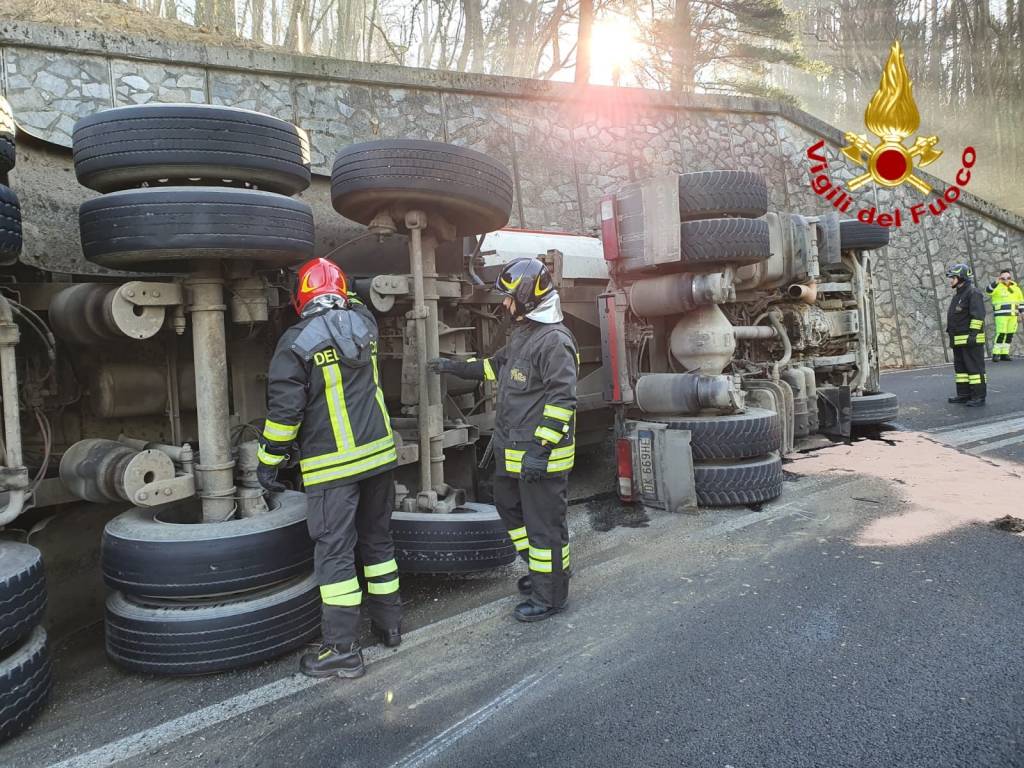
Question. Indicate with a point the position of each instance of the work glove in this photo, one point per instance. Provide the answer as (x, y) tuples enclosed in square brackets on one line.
[(267, 476), (534, 468), (441, 365)]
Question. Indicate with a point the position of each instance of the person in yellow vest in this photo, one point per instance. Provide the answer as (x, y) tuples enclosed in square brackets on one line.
[(1007, 302)]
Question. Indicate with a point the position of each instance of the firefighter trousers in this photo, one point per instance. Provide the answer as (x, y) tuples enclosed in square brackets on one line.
[(341, 520), (969, 371), (534, 514)]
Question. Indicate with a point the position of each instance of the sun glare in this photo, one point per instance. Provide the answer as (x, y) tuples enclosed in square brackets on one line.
[(613, 51)]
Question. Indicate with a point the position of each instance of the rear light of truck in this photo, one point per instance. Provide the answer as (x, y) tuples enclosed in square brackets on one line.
[(624, 459)]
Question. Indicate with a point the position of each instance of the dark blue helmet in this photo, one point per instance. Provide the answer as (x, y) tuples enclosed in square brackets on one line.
[(527, 281), (962, 271)]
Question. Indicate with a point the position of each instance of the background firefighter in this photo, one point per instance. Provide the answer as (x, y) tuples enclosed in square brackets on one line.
[(1007, 300), (323, 389), (965, 324), (534, 430)]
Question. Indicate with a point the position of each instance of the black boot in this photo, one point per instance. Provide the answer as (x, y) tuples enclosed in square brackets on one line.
[(975, 403), (959, 399), (525, 585), (330, 660), (530, 611), (392, 638)]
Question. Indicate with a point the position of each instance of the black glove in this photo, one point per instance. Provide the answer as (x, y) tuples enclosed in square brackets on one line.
[(267, 475), (534, 468), (440, 365)]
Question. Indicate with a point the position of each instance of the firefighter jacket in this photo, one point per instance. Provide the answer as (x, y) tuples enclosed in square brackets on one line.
[(535, 411), (1006, 299), (965, 320), (324, 390)]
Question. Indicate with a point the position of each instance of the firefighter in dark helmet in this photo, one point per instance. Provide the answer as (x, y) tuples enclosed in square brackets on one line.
[(323, 392), (534, 430), (965, 324)]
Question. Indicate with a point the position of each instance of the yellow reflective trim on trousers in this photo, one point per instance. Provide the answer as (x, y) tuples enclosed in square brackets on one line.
[(347, 470), (557, 412), (270, 459), (345, 593), (520, 544), (278, 432), (328, 459), (517, 533), (382, 587), (346, 601), (544, 433), (565, 551), (489, 371), (540, 566), (380, 393), (975, 378), (979, 339), (960, 378), (540, 554), (380, 569), (977, 325), (334, 389)]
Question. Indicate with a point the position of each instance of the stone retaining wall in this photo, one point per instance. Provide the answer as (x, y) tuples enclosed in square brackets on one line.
[(566, 147)]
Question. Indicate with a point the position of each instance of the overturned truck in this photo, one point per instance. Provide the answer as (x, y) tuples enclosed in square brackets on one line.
[(713, 337)]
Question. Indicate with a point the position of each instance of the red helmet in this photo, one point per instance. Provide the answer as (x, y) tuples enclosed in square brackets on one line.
[(318, 277)]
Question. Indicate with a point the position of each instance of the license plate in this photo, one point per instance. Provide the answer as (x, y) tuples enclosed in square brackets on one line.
[(645, 454)]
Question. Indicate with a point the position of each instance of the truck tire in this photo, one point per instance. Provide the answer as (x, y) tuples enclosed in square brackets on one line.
[(10, 225), (877, 408), (734, 483), (22, 591), (470, 189), (167, 230), (711, 194), (857, 236), (7, 129), (466, 541), (196, 638), (25, 684), (738, 436), (182, 144), (708, 242), (164, 552)]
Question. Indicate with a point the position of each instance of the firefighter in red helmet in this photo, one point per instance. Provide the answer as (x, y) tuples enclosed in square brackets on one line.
[(323, 394)]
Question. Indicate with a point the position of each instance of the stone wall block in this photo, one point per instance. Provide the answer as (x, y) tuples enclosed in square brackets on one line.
[(260, 93)]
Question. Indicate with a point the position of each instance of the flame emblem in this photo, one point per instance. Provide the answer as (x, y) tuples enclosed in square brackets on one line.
[(892, 116)]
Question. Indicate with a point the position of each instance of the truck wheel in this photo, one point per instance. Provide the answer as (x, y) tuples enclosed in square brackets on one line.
[(22, 591), (724, 241), (24, 684), (878, 408), (857, 236), (166, 230), (733, 483), (10, 225), (470, 189), (181, 144), (7, 151), (166, 552), (710, 194), (738, 436), (196, 638), (466, 541)]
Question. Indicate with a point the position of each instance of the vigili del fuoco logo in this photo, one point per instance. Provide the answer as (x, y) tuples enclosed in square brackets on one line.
[(892, 116)]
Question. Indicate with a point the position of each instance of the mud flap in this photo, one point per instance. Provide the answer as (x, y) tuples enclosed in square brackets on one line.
[(835, 412), (662, 466)]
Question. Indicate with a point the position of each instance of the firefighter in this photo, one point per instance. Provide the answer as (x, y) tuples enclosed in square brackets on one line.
[(534, 430), (323, 391), (965, 324), (1007, 300)]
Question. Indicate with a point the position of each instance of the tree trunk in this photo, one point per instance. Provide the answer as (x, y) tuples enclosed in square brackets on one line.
[(682, 48), (583, 41), (471, 56)]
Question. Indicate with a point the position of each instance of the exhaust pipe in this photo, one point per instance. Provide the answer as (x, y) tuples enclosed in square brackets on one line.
[(808, 294), (685, 393)]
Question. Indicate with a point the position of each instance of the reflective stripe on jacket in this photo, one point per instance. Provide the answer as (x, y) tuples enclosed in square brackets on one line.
[(331, 403)]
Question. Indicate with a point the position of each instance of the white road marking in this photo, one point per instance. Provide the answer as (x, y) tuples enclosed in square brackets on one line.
[(444, 740), (983, 432), (996, 445), (976, 423)]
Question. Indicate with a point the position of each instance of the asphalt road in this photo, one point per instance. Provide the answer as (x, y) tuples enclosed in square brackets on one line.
[(744, 638)]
